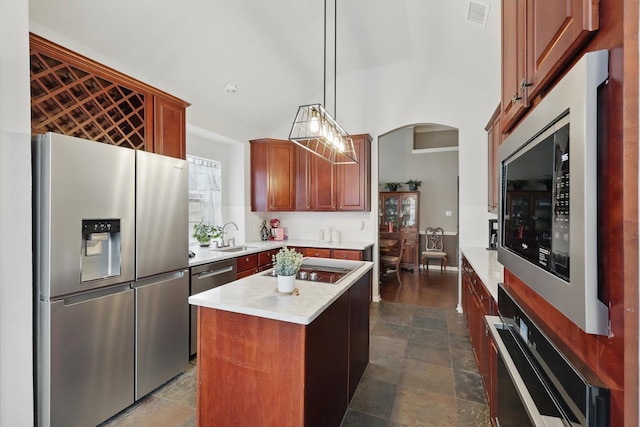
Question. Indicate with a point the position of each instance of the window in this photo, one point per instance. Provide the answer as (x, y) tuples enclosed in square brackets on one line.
[(205, 192)]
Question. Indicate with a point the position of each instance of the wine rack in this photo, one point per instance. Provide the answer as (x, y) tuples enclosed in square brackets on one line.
[(69, 100)]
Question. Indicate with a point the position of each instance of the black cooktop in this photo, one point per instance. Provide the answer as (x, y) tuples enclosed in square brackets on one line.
[(319, 272)]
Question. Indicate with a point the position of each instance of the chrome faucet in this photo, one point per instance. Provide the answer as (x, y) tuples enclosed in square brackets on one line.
[(222, 237)]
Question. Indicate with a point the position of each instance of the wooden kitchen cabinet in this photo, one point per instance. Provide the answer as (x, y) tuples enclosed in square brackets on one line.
[(247, 265), (353, 181), (317, 252), (558, 29), (477, 303), (494, 137), (169, 135), (321, 186), (265, 259), (401, 210), (76, 96), (514, 100), (349, 254), (273, 175), (315, 182), (306, 373), (359, 302), (539, 38)]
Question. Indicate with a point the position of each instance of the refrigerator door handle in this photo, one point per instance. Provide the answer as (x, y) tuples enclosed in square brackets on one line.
[(160, 278), (76, 299)]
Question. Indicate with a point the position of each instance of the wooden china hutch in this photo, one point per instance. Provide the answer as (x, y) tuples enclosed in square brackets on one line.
[(399, 212)]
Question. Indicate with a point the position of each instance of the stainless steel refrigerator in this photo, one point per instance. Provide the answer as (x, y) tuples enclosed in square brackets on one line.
[(102, 308)]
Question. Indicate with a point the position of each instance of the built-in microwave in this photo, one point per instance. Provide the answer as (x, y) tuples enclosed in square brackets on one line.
[(548, 221)]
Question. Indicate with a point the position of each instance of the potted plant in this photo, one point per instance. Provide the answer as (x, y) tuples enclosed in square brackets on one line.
[(413, 184), (203, 233), (286, 263), (393, 186)]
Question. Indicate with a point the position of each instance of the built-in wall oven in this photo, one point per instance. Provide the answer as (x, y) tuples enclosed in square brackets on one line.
[(537, 385)]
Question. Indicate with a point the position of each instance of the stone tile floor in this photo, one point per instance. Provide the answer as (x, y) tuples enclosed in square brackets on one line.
[(421, 372)]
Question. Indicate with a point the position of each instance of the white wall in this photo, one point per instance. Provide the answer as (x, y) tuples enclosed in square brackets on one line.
[(438, 172), (402, 96), (380, 100), (230, 154), (383, 99), (16, 302)]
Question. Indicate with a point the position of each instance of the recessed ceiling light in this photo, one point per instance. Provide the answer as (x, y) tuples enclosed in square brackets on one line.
[(231, 87)]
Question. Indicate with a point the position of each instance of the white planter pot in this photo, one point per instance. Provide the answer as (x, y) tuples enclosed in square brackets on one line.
[(286, 284)]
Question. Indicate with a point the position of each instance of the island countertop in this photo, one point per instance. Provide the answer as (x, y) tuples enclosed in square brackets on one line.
[(257, 295)]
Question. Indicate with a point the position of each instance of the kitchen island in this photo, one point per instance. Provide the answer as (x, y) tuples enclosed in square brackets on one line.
[(266, 358)]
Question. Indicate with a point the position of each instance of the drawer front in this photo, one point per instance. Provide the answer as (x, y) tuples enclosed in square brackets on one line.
[(247, 262), (317, 252), (265, 258), (352, 255)]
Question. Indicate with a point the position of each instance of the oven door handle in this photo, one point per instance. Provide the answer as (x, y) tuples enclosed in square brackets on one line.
[(538, 420)]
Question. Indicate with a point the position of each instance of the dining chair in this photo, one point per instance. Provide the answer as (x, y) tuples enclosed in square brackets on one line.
[(434, 247), (394, 261)]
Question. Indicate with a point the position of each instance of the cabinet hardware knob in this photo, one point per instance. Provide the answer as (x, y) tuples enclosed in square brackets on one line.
[(524, 85), (515, 98)]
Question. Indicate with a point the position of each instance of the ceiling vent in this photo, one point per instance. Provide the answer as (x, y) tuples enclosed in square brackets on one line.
[(478, 13)]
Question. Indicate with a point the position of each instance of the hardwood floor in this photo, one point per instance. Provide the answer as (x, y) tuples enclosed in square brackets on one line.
[(432, 288)]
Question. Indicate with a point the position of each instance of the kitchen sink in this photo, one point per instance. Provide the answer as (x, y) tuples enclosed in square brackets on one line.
[(234, 249)]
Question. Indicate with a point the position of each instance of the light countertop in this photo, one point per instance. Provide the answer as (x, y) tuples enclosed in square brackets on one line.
[(486, 265), (257, 295), (210, 254)]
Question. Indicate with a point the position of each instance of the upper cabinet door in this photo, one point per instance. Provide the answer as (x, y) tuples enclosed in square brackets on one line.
[(169, 128), (514, 100), (323, 188), (539, 38), (558, 28), (315, 183), (354, 180), (273, 175), (282, 172)]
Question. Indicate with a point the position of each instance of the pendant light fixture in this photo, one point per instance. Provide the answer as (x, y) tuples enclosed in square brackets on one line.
[(314, 129)]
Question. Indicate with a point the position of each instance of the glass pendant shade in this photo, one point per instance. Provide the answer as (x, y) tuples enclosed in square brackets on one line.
[(315, 130)]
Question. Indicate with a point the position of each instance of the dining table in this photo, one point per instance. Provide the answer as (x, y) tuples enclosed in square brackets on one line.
[(385, 246)]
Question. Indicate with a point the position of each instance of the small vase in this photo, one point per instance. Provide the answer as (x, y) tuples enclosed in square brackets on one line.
[(205, 244), (286, 284)]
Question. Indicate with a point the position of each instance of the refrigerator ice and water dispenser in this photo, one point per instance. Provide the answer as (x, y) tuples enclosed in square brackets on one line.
[(100, 249)]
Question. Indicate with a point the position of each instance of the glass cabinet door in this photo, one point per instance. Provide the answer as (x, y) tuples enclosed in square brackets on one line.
[(391, 210), (409, 218)]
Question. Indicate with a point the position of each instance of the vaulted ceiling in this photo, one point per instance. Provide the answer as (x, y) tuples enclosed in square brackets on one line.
[(272, 49)]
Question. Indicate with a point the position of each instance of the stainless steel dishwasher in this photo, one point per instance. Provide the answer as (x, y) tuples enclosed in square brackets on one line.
[(203, 278)]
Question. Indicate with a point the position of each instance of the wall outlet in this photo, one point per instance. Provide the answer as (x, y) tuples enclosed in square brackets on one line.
[(448, 213)]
